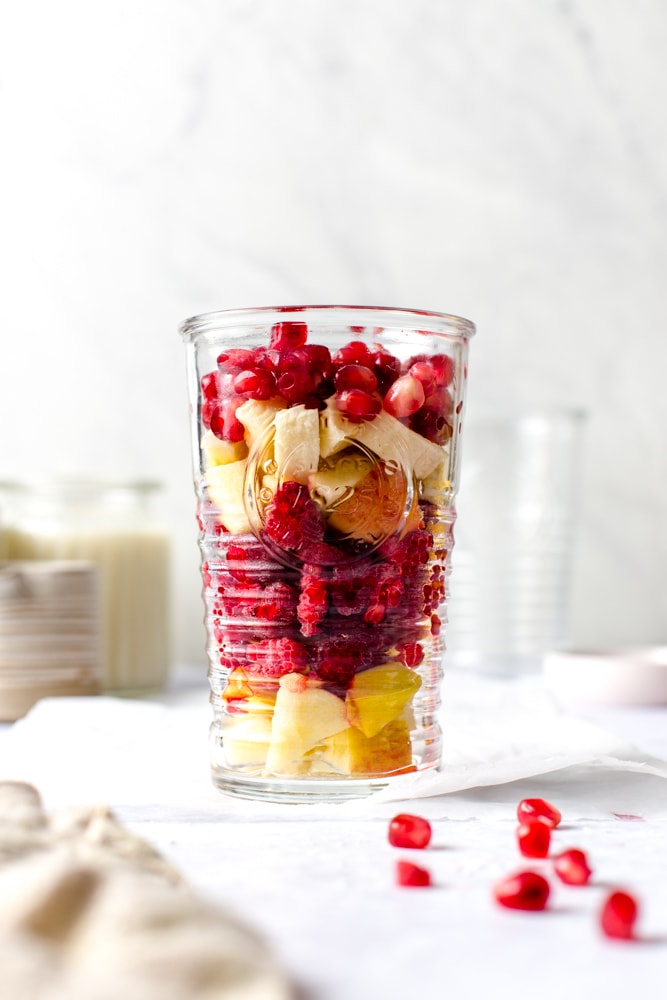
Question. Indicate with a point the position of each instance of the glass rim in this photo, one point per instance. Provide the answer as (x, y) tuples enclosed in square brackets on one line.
[(439, 323)]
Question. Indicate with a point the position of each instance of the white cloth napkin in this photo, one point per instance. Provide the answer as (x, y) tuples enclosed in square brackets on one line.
[(135, 754)]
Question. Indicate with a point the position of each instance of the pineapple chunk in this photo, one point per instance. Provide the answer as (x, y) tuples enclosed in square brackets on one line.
[(217, 452), (296, 446), (257, 415), (388, 752), (437, 482), (225, 489), (334, 484), (386, 436), (380, 695)]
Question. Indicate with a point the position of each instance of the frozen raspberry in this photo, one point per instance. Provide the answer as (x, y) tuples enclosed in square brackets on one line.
[(313, 599), (338, 660), (276, 603), (293, 520), (275, 657)]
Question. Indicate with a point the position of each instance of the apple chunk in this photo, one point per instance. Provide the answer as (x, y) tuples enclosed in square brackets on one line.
[(304, 715)]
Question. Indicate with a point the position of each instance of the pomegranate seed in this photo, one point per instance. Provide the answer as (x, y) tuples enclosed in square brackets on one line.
[(354, 353), (423, 371), (571, 866), (523, 891), (357, 405), (443, 367), (224, 422), (404, 397), (286, 336), (386, 367), (209, 385), (294, 385), (618, 915), (406, 830), (355, 377), (529, 809), (533, 839), (412, 875), (411, 654), (257, 383), (237, 358)]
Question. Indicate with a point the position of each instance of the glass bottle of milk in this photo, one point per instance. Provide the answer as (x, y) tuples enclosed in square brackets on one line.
[(113, 525)]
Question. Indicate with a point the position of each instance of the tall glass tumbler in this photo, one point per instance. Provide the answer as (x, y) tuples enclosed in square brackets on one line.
[(326, 443)]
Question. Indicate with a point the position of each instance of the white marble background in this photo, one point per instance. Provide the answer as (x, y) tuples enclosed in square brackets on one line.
[(503, 159)]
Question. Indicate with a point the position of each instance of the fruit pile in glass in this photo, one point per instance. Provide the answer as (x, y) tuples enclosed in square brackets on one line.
[(325, 517)]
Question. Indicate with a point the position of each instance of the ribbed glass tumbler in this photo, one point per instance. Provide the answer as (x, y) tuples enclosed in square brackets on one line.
[(325, 443)]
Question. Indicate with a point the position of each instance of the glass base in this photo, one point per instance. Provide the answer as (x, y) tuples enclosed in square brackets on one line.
[(308, 790)]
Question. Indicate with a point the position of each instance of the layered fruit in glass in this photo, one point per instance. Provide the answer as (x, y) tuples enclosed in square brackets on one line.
[(326, 511)]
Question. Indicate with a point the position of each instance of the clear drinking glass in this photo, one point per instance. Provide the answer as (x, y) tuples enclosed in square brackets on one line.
[(517, 513), (325, 443)]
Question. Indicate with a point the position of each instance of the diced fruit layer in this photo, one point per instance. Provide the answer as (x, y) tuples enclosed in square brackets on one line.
[(322, 612)]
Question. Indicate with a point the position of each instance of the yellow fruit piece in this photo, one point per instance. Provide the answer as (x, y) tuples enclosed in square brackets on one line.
[(375, 507), (217, 452), (384, 435), (304, 715), (296, 445), (388, 752), (379, 695), (246, 740), (257, 415), (332, 484), (225, 489), (437, 482)]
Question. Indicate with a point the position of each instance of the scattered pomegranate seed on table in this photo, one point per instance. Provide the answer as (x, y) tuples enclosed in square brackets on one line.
[(571, 866), (411, 875), (618, 915), (534, 838), (522, 891), (406, 830), (531, 809)]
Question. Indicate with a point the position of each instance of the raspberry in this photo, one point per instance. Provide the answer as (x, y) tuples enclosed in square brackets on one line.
[(275, 657), (276, 603), (313, 600), (293, 520), (338, 660)]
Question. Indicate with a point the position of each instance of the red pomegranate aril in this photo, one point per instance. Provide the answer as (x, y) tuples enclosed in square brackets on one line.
[(357, 405), (288, 335), (412, 875), (422, 370), (533, 839), (355, 377), (386, 367), (257, 384), (224, 422), (572, 867), (443, 368), (411, 654), (618, 915), (406, 830), (538, 809), (294, 385), (523, 891), (404, 397), (236, 358), (209, 385), (354, 353)]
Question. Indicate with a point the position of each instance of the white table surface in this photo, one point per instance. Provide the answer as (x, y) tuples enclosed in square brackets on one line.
[(318, 884)]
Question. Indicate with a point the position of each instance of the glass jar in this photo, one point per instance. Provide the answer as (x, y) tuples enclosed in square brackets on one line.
[(326, 443), (114, 526)]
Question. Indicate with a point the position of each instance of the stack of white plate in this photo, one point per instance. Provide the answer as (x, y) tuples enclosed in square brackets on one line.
[(49, 633)]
